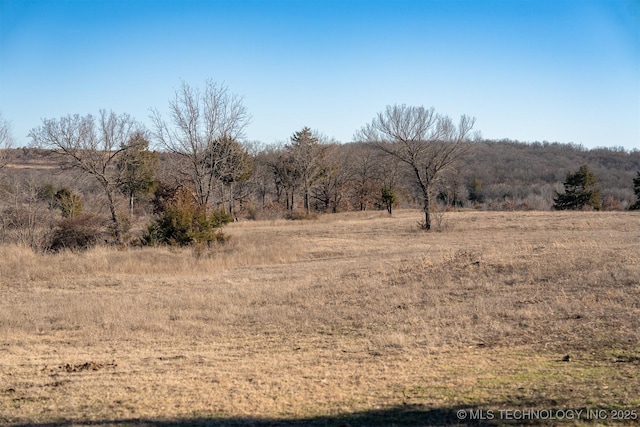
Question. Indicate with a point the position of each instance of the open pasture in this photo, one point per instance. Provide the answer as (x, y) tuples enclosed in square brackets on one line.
[(350, 319)]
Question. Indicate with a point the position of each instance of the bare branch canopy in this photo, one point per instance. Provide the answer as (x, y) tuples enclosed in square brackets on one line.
[(91, 145), (6, 141), (199, 120), (429, 143)]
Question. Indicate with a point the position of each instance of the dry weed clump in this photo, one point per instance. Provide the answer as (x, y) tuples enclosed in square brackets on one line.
[(347, 313)]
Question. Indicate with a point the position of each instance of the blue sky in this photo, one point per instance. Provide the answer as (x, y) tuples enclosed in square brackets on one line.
[(532, 70)]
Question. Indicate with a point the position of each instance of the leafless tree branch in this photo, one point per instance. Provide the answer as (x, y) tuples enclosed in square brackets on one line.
[(427, 142), (6, 142), (200, 123), (90, 146)]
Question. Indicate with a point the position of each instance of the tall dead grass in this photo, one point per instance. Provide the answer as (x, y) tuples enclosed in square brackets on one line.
[(492, 279), (294, 304)]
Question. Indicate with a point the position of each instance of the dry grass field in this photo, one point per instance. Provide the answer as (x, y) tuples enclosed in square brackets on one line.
[(350, 319)]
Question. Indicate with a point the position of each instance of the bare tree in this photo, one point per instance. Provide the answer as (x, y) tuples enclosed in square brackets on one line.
[(260, 179), (427, 142), (201, 123), (364, 166), (286, 176), (92, 146), (24, 214), (230, 164), (334, 178), (6, 142)]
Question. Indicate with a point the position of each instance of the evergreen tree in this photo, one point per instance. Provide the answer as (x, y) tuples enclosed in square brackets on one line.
[(307, 154), (70, 204), (388, 199), (580, 191), (185, 222), (636, 190), (475, 190), (137, 166)]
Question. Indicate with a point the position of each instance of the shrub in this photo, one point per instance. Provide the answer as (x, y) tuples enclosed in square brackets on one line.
[(125, 223), (300, 215), (69, 203), (185, 223), (24, 224), (611, 204), (163, 195), (76, 233)]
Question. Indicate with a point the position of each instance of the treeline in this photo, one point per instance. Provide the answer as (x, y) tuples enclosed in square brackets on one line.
[(509, 174), (496, 175), (108, 178), (294, 181)]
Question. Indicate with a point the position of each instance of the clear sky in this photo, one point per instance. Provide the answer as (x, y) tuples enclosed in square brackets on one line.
[(531, 70)]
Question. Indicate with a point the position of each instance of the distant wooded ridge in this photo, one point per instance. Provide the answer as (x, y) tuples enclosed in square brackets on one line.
[(498, 174)]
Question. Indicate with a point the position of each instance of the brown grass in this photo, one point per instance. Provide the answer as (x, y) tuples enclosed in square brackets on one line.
[(354, 318)]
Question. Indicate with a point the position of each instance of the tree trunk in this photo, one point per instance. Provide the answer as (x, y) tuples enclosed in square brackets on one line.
[(427, 215), (306, 199), (114, 217), (279, 193), (424, 183)]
